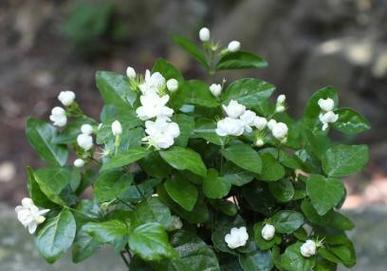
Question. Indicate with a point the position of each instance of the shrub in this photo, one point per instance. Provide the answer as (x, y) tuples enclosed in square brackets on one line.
[(180, 175)]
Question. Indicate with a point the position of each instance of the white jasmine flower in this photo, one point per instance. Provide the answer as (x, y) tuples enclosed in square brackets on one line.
[(87, 129), (308, 249), (271, 124), (85, 141), (236, 238), (66, 97), (153, 83), (234, 46), (280, 131), (328, 117), (260, 123), (58, 116), (268, 232), (79, 163), (116, 128), (153, 106), (30, 215), (229, 126), (204, 34), (326, 104), (280, 105), (131, 73), (161, 132), (248, 118), (234, 109), (172, 85), (216, 89)]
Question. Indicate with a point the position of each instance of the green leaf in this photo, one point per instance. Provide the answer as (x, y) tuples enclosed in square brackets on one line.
[(312, 110), (151, 210), (292, 260), (115, 88), (222, 227), (205, 129), (339, 249), (182, 192), (324, 193), (194, 92), (215, 187), (56, 236), (41, 136), (184, 159), (167, 70), (259, 198), (249, 92), (55, 183), (256, 261), (287, 221), (154, 166), (283, 190), (342, 160), (236, 175), (191, 49), (123, 159), (194, 254), (110, 185), (137, 192), (186, 125), (244, 156), (350, 122), (35, 193), (316, 142), (272, 170), (331, 219), (262, 243), (72, 129), (150, 242), (241, 60)]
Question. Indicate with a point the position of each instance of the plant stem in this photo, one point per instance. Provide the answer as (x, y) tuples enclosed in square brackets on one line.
[(122, 253)]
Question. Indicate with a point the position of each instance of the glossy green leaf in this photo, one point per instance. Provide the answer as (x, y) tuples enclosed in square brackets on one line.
[(41, 136), (205, 129), (287, 221), (350, 122), (182, 192), (272, 170), (167, 70), (35, 193), (194, 92), (150, 242), (186, 125), (256, 261), (191, 49), (56, 236), (215, 187), (151, 210), (283, 190), (124, 159), (324, 193), (292, 260), (240, 60), (110, 185), (343, 160), (184, 159), (244, 156)]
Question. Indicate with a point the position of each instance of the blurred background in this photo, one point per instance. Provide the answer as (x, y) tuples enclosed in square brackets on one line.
[(48, 46)]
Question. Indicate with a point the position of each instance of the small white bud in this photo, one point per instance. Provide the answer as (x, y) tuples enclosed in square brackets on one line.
[(66, 97), (58, 116), (172, 85), (326, 104), (260, 123), (131, 73), (268, 232), (116, 128), (281, 99), (87, 129), (204, 34), (234, 46), (79, 163), (271, 124), (259, 142), (308, 249), (85, 141), (280, 108), (216, 89), (280, 131)]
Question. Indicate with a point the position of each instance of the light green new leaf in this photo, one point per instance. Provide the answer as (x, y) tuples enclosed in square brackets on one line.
[(115, 88), (191, 48), (244, 156), (350, 122), (56, 236), (249, 92), (150, 242), (287, 221), (41, 136), (241, 60), (324, 193), (215, 187), (342, 160), (182, 192), (184, 159), (126, 158)]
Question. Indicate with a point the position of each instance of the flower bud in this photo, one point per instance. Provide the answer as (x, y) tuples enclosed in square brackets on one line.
[(58, 116), (280, 131), (79, 163), (87, 129), (204, 34), (216, 89), (260, 123), (234, 109), (259, 142), (268, 232), (234, 46), (131, 73), (66, 97), (281, 99), (271, 124), (85, 141), (116, 128), (40, 219), (308, 249), (326, 104), (172, 85)]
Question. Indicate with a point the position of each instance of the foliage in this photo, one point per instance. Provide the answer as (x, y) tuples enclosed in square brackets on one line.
[(171, 208)]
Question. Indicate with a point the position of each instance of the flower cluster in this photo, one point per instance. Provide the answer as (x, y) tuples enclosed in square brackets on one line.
[(58, 114), (327, 115), (85, 138)]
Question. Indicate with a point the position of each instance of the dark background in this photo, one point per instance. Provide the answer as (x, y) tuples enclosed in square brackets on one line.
[(48, 46)]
